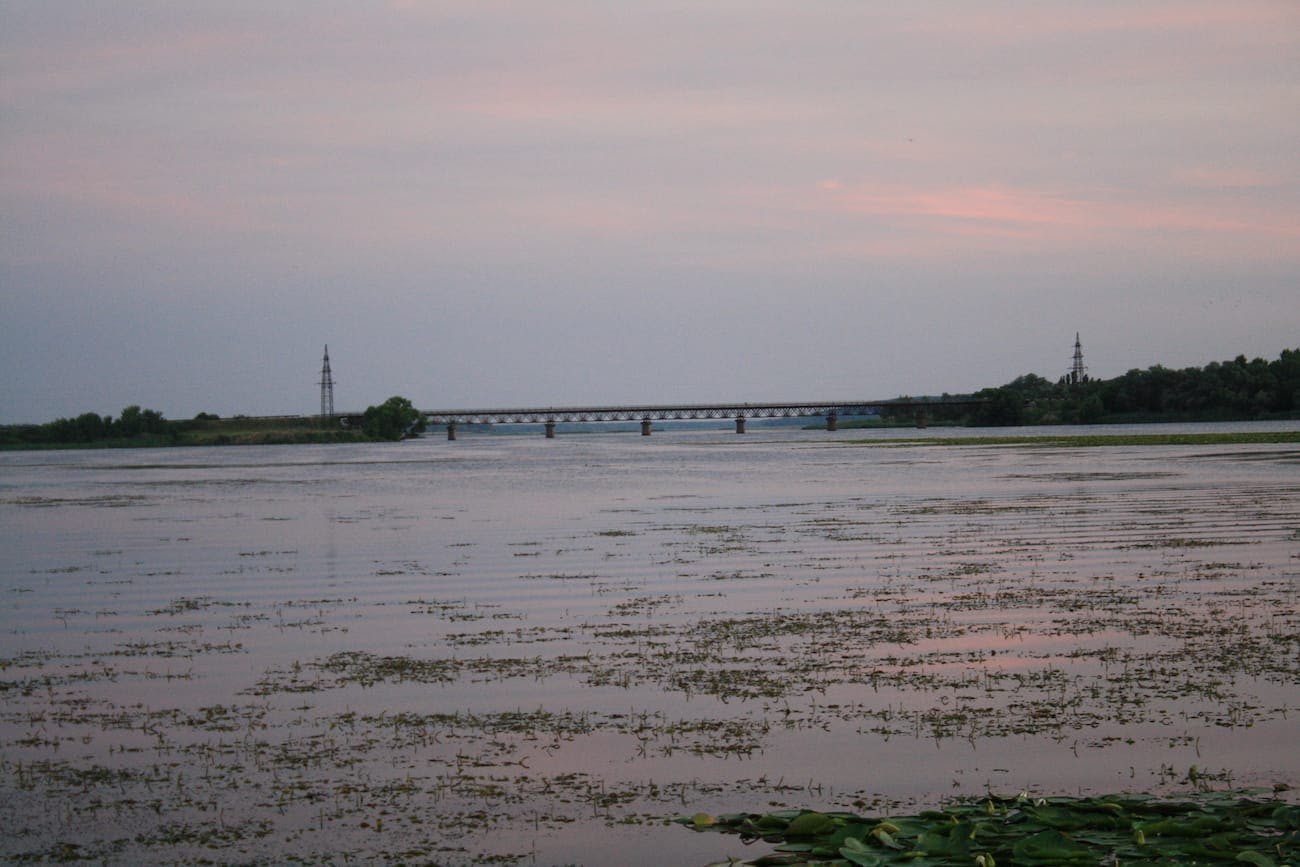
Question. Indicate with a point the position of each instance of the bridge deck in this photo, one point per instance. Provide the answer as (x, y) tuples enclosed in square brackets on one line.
[(643, 412)]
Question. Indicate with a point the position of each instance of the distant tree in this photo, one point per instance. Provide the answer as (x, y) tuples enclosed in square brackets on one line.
[(1002, 407), (91, 427), (1031, 386), (135, 421), (128, 424), (1089, 410), (1287, 372), (392, 419)]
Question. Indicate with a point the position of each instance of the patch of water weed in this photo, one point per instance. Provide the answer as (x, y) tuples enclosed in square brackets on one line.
[(455, 610), (1177, 542), (646, 606), (564, 576), (105, 500), (187, 604)]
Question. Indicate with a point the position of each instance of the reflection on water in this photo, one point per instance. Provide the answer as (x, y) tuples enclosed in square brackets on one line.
[(518, 648)]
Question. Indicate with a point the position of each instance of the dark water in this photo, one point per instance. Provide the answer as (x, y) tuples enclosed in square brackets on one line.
[(538, 650)]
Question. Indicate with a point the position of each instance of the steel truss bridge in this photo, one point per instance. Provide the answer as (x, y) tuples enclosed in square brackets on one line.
[(647, 414)]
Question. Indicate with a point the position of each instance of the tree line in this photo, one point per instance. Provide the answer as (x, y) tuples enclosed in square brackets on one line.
[(134, 424), (391, 420), (1236, 390)]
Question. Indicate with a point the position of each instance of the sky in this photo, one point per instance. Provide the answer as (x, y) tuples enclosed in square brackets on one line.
[(484, 204)]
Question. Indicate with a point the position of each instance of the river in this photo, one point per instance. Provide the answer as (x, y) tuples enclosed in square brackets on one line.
[(521, 650)]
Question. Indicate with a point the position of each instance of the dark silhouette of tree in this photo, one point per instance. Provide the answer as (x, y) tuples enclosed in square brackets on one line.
[(1239, 389), (135, 421), (392, 419)]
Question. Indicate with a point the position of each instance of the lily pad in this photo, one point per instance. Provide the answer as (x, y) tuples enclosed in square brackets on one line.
[(1138, 830), (809, 824)]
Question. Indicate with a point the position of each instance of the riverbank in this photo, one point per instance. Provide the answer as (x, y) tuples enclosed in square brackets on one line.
[(1096, 440), (306, 431), (897, 423)]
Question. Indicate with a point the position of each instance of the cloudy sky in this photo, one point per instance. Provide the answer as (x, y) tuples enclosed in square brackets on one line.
[(540, 203)]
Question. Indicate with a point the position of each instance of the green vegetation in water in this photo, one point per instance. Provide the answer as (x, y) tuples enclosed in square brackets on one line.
[(1223, 828), (1089, 441)]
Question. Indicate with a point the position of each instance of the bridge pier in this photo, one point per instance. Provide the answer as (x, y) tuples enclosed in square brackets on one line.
[(451, 430), (740, 424), (920, 418), (832, 421), (550, 429), (645, 427)]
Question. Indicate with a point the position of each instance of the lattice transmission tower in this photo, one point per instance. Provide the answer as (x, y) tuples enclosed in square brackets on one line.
[(326, 387), (1078, 372)]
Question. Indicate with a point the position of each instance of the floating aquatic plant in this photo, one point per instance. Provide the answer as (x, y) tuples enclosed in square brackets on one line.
[(1224, 828)]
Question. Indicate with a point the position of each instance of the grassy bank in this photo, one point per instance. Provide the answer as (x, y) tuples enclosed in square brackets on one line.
[(882, 424), (271, 437), (1096, 440), (206, 432), (264, 431), (875, 423)]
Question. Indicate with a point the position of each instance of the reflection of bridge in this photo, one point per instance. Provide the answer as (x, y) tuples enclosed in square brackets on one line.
[(550, 416)]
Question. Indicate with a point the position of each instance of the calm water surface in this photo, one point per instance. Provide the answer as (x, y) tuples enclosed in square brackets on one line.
[(535, 651)]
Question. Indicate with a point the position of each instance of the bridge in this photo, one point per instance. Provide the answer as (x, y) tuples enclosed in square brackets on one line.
[(648, 414)]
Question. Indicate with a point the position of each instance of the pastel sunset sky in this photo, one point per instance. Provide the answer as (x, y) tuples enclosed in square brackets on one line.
[(542, 203)]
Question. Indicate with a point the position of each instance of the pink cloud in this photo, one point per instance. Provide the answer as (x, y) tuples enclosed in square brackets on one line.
[(1224, 177), (1035, 21), (1018, 212)]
